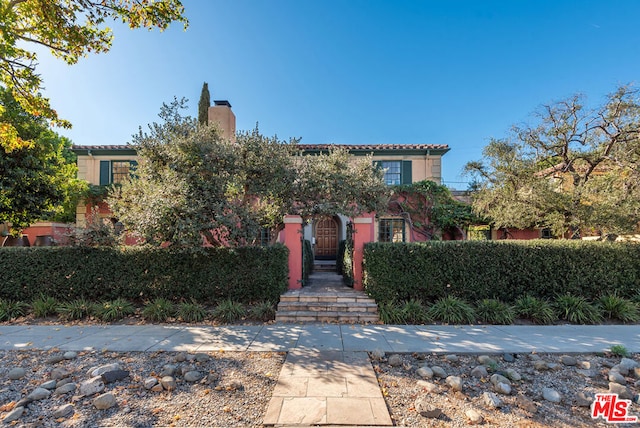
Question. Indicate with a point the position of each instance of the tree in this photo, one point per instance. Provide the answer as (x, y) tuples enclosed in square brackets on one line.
[(70, 29), (430, 209), (192, 183), (37, 170), (577, 169), (203, 105)]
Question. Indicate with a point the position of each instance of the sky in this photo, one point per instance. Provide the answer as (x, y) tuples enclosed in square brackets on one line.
[(357, 71)]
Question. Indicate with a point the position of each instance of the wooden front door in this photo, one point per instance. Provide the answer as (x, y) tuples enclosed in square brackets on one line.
[(326, 238)]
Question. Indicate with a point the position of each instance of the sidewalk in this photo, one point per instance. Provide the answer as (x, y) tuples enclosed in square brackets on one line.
[(325, 337)]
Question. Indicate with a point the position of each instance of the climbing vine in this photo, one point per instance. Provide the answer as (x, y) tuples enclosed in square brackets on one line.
[(430, 210)]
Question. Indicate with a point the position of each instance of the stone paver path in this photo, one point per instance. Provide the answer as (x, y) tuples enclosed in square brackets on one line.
[(327, 388)]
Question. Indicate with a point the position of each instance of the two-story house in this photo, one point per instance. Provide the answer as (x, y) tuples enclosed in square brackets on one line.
[(402, 163)]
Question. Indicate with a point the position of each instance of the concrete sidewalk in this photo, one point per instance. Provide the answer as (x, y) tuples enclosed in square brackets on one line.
[(324, 337)]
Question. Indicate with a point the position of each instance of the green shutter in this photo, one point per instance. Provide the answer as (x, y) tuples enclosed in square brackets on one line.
[(406, 172), (105, 173)]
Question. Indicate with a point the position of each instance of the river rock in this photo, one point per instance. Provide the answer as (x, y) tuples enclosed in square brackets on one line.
[(168, 383), (168, 370), (479, 372), (193, 376), (92, 386), (17, 373), (526, 404), (201, 357), (50, 384), (65, 389), (623, 370), (425, 372), (39, 394), (103, 369), (114, 375), (60, 373), (622, 391), (491, 400), (486, 360), (568, 360), (616, 377), (104, 401), (180, 357), (508, 358), (498, 378), (540, 365), (502, 388), (63, 411), (474, 416), (583, 400), (13, 415), (452, 358), (439, 372), (70, 355), (629, 363), (513, 375), (54, 359), (424, 408), (455, 382), (395, 360), (551, 395), (149, 382), (429, 387)]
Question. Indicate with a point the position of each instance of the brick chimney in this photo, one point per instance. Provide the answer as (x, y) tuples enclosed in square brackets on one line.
[(221, 114)]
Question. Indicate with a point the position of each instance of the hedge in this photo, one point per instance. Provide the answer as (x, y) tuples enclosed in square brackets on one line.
[(139, 273), (502, 270), (307, 259)]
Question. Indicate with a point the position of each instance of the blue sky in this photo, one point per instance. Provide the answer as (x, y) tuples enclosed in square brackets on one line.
[(357, 72)]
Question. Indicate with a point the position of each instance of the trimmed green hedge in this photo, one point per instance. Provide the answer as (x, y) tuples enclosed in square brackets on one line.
[(503, 270), (307, 259), (138, 273)]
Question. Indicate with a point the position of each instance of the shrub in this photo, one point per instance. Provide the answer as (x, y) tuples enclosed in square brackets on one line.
[(619, 351), (614, 307), (347, 263), (262, 311), (576, 310), (503, 270), (191, 312), (43, 307), (391, 313), (75, 310), (142, 273), (159, 310), (114, 310), (414, 312), (229, 311), (537, 310), (452, 310), (10, 310), (492, 311)]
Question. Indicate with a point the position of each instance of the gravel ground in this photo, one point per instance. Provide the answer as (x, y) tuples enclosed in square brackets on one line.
[(234, 390), (404, 390)]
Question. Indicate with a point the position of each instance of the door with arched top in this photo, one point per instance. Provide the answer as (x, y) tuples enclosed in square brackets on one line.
[(326, 234)]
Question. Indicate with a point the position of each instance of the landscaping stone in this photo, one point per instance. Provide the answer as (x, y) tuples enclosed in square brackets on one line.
[(508, 358), (623, 370), (429, 387), (54, 359), (451, 358), (491, 400), (168, 383), (425, 372), (60, 373), (103, 369), (114, 376), (149, 382), (513, 375), (540, 365), (104, 401), (568, 360), (16, 373), (424, 408), (583, 400), (63, 411), (486, 360), (616, 377), (13, 415), (70, 355), (395, 360), (526, 404), (474, 416), (439, 372), (39, 394), (622, 391), (193, 376), (180, 357), (502, 388), (584, 365), (202, 357), (50, 384), (498, 378), (479, 372), (92, 386), (65, 389), (455, 382), (629, 363), (551, 395)]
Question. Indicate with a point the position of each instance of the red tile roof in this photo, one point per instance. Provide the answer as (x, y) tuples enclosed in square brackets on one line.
[(306, 147)]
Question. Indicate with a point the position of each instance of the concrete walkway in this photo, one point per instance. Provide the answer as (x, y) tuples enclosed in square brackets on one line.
[(324, 337), (327, 378)]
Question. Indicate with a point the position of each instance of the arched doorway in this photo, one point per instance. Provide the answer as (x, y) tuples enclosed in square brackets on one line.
[(326, 234)]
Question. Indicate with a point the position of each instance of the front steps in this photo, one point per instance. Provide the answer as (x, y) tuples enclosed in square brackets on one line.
[(326, 299)]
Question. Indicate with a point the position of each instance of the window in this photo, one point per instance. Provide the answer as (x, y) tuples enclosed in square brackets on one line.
[(391, 230), (114, 172), (265, 237), (396, 172)]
